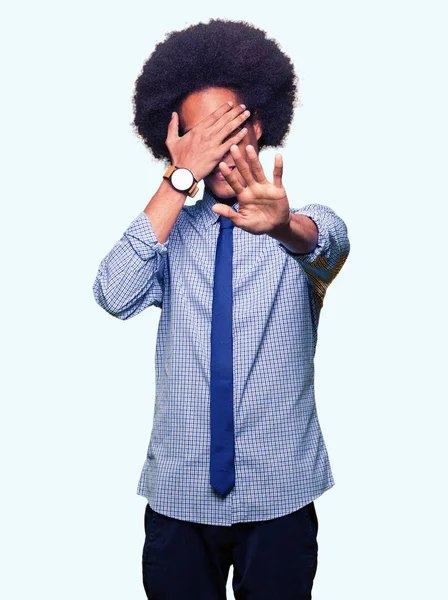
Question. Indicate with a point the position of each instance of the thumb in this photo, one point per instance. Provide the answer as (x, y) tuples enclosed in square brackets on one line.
[(173, 126), (225, 211)]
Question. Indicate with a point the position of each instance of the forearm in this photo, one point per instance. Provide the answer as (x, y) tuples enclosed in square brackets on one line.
[(299, 235), (164, 208)]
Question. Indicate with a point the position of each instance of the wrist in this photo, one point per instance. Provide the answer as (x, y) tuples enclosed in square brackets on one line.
[(299, 235), (182, 163), (282, 230), (166, 187)]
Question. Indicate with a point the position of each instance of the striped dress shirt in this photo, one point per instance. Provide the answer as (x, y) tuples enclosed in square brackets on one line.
[(281, 461)]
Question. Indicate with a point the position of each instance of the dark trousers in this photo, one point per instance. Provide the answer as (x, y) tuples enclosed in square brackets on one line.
[(272, 560)]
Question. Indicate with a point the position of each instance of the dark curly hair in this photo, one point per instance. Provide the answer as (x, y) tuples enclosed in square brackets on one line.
[(220, 53)]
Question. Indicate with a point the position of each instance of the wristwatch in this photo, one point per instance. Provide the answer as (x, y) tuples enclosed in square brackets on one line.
[(182, 180)]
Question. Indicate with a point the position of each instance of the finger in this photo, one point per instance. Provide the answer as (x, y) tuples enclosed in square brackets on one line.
[(227, 124), (241, 165), (235, 139), (255, 165), (213, 117), (231, 177), (278, 170)]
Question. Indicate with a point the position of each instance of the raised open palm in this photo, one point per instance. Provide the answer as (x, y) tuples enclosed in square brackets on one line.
[(263, 206)]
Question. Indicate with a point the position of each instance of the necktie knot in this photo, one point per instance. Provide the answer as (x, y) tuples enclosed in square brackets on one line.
[(225, 222)]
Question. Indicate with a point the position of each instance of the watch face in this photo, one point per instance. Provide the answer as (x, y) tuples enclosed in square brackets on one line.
[(182, 179)]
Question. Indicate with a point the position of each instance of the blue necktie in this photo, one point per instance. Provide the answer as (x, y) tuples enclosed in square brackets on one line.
[(222, 444)]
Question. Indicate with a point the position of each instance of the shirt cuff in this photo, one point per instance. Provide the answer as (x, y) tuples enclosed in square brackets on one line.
[(143, 239), (322, 234)]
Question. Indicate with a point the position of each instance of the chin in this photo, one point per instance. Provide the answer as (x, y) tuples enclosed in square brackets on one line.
[(220, 189)]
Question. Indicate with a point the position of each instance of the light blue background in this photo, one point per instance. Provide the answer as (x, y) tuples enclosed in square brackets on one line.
[(370, 141)]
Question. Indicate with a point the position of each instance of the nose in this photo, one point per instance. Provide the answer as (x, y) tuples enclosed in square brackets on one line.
[(223, 159)]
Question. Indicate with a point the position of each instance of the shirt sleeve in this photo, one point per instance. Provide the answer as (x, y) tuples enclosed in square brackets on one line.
[(130, 277), (333, 247)]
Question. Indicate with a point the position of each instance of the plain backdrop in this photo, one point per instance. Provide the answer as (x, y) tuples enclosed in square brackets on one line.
[(369, 140)]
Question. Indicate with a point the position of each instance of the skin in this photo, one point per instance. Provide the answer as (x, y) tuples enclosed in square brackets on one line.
[(194, 109), (263, 206)]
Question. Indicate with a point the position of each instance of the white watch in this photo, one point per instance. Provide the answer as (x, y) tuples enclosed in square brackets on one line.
[(182, 180)]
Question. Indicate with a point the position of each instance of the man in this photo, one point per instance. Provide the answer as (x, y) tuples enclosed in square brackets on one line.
[(236, 456)]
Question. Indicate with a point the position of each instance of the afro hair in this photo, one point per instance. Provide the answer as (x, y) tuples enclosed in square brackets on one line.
[(220, 53)]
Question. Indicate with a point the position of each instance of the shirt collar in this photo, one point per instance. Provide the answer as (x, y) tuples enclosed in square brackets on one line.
[(204, 209)]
